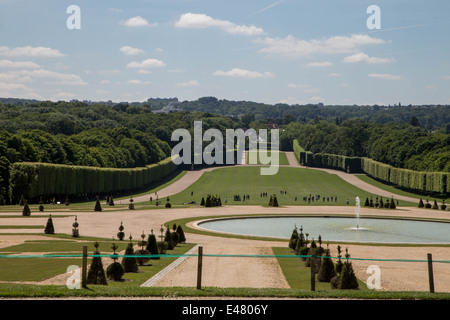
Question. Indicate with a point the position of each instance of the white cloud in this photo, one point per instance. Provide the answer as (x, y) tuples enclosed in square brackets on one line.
[(431, 87), (59, 78), (362, 57), (202, 21), (12, 86), (148, 63), (446, 77), (386, 76), (319, 64), (105, 81), (334, 74), (18, 64), (14, 77), (138, 21), (30, 52), (190, 83), (115, 10), (297, 86), (134, 81), (130, 51), (292, 100), (294, 47), (241, 73), (144, 71)]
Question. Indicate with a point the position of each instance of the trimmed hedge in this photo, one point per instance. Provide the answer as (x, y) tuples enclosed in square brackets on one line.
[(325, 160), (416, 181), (429, 182), (42, 179)]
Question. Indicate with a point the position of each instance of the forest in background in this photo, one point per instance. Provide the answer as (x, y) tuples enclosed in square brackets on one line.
[(129, 135)]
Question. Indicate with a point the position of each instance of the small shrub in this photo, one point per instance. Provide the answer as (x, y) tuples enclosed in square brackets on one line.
[(26, 212), (121, 234), (41, 205), (326, 270), (49, 228), (131, 205), (348, 278), (334, 282), (163, 246), (130, 264), (435, 205), (75, 232), (168, 238), (427, 205), (98, 206), (367, 203), (142, 252), (392, 204), (96, 273), (115, 271), (303, 251), (152, 246), (421, 205), (181, 233)]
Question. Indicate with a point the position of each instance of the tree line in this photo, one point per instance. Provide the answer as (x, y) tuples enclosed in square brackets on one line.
[(399, 145)]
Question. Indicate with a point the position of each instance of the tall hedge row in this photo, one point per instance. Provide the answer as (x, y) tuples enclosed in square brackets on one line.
[(40, 179), (429, 182), (325, 160)]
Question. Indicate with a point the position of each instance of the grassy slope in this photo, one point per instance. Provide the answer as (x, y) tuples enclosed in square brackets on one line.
[(297, 182)]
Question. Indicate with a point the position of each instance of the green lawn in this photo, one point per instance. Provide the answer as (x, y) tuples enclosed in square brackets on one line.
[(287, 184), (281, 157), (40, 268), (34, 269)]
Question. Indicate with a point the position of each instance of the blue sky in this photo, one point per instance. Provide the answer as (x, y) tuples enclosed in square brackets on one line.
[(268, 51)]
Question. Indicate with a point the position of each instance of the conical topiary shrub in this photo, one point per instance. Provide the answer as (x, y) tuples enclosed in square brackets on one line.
[(348, 278), (294, 239), (96, 273), (311, 251), (392, 204), (202, 203), (435, 205), (129, 263), (49, 228), (41, 205), (98, 206), (168, 238), (421, 205), (152, 245), (181, 233), (26, 212), (326, 270), (111, 201)]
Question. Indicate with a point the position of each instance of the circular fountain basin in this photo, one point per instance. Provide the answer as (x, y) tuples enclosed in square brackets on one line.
[(371, 230)]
